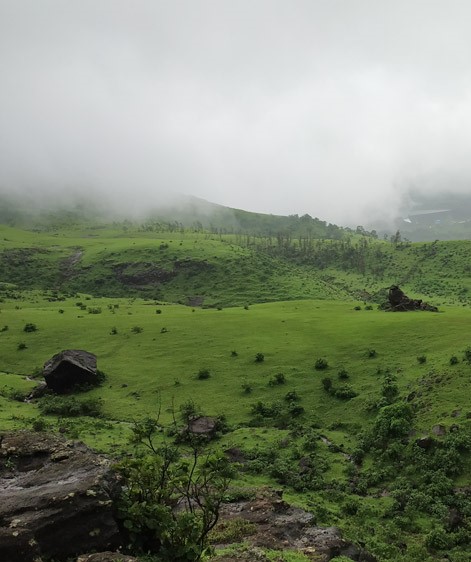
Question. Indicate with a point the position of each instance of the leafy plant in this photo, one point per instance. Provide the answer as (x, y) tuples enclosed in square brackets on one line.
[(30, 328), (259, 358), (321, 364)]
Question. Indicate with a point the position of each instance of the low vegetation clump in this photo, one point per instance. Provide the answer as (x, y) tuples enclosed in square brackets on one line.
[(30, 327), (203, 374), (259, 358), (70, 406), (321, 364)]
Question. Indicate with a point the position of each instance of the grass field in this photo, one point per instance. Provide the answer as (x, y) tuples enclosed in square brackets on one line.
[(153, 351)]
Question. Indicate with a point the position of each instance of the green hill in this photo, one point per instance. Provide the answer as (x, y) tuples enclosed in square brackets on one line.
[(361, 416)]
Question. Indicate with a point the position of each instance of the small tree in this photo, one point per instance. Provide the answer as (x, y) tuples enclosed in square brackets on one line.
[(259, 358), (154, 484)]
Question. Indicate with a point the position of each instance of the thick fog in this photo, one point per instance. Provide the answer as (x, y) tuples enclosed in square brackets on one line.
[(336, 108)]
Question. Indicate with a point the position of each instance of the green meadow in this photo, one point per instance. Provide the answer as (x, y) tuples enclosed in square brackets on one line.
[(298, 361)]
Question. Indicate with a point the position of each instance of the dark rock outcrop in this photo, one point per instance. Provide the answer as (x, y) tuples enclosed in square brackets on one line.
[(69, 369), (280, 526), (398, 301), (56, 498)]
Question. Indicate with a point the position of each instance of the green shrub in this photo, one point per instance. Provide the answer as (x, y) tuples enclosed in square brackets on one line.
[(321, 364), (371, 353), (453, 360), (137, 329), (203, 374), (421, 359), (327, 384), (30, 328), (343, 375), (21, 346), (345, 392), (94, 310), (113, 331), (278, 379), (259, 358), (70, 406), (246, 387), (292, 396)]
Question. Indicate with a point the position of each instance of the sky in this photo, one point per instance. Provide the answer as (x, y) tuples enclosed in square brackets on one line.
[(335, 108)]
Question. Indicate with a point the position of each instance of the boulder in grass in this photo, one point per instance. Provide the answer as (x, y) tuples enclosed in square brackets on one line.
[(70, 369)]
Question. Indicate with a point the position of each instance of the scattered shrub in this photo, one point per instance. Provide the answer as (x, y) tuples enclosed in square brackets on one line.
[(278, 379), (246, 387), (137, 329), (368, 307), (114, 331), (327, 384), (453, 360), (30, 328), (371, 353), (234, 354), (163, 330), (292, 396), (94, 310), (21, 346), (259, 358), (343, 375), (203, 374), (421, 359), (345, 392), (321, 364), (4, 329), (358, 307), (39, 424)]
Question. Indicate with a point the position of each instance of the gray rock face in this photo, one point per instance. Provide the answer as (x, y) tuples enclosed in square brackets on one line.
[(70, 368), (56, 498), (279, 526)]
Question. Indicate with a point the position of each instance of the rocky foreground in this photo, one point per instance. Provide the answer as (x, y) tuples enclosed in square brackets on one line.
[(57, 502)]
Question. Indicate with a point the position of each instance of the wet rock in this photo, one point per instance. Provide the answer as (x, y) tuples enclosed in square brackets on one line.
[(106, 557), (56, 498), (280, 526), (425, 442), (71, 368), (439, 430)]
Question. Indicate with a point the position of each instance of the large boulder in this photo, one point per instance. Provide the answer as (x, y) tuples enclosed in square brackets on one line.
[(70, 369), (56, 498)]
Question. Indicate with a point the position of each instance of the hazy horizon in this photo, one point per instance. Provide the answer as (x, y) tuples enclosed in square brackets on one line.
[(335, 109)]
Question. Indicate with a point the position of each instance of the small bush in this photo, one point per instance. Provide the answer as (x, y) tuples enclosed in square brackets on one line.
[(114, 331), (327, 384), (292, 396), (203, 374), (158, 311), (345, 392), (163, 330), (61, 311), (30, 328), (368, 307), (4, 329), (94, 310), (358, 307), (234, 354), (343, 375), (453, 360), (39, 424), (321, 364), (371, 353), (259, 358), (137, 329), (22, 346), (278, 379), (246, 387), (421, 359)]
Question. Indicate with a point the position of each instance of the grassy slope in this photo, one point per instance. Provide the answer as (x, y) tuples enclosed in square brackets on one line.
[(292, 335)]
